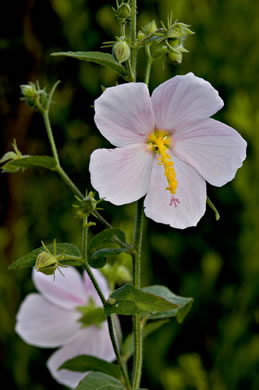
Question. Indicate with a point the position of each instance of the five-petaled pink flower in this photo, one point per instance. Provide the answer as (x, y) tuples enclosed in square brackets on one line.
[(52, 319), (167, 148)]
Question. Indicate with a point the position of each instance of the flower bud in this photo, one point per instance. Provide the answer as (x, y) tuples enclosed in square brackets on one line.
[(89, 204), (46, 263), (124, 11), (121, 51), (141, 35), (150, 27), (174, 57), (33, 95)]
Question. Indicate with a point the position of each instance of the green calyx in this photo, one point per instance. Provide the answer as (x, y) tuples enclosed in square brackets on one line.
[(91, 314), (34, 96), (87, 205)]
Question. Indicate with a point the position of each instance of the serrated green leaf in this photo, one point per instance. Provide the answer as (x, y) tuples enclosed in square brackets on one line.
[(100, 381), (129, 300), (128, 345), (97, 57), (29, 259), (183, 304), (98, 259), (84, 363), (31, 161)]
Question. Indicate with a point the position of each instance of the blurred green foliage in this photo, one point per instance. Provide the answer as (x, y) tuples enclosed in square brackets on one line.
[(217, 347)]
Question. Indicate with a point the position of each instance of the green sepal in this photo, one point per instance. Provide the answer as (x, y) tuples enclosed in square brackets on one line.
[(97, 57), (100, 381), (128, 345), (29, 162), (183, 304), (29, 259), (209, 202), (129, 300), (91, 317), (84, 363), (103, 244)]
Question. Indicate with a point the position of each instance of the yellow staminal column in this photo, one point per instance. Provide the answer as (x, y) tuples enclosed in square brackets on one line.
[(159, 142)]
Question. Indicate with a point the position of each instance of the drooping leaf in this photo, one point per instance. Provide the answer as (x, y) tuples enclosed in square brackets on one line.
[(183, 304), (105, 244), (84, 363), (100, 381), (98, 259), (128, 345), (29, 259), (31, 161), (129, 300), (97, 57)]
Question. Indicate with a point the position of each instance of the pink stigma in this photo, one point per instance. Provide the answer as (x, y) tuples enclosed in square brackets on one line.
[(174, 201)]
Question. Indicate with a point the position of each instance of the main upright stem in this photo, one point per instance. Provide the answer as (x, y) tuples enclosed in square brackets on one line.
[(133, 30), (137, 328)]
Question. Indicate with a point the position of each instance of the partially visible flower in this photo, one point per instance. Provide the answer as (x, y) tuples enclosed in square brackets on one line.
[(54, 318), (167, 148)]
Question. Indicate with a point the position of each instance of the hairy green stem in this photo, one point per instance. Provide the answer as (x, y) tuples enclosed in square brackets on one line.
[(133, 31), (149, 64), (99, 292), (137, 328), (45, 115)]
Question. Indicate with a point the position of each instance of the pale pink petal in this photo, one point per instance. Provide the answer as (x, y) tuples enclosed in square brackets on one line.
[(124, 114), (88, 341), (184, 100), (214, 149), (90, 289), (65, 291), (191, 193), (45, 325), (121, 175)]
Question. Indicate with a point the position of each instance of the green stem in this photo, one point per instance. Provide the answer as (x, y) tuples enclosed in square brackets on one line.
[(137, 328), (149, 65), (99, 292), (133, 30), (50, 136)]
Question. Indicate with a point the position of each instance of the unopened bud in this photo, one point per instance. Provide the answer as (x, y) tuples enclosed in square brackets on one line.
[(141, 35), (33, 95), (150, 27), (89, 203), (174, 57), (46, 263), (121, 51), (124, 11)]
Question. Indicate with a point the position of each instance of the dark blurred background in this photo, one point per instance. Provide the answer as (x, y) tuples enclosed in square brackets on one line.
[(217, 346)]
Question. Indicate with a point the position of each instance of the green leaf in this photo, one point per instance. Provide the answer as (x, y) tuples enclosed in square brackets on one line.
[(129, 300), (31, 161), (29, 259), (104, 244), (128, 345), (84, 363), (100, 381), (98, 259), (183, 304), (98, 57)]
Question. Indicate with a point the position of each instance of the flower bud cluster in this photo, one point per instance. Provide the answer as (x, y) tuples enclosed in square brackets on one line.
[(34, 96), (166, 42)]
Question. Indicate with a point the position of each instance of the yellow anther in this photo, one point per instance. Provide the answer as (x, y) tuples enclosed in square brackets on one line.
[(159, 142)]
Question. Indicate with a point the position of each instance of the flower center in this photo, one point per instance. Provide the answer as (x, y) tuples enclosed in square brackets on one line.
[(91, 314), (158, 142)]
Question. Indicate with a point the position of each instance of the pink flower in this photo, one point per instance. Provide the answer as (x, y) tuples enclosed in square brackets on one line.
[(51, 319), (167, 148)]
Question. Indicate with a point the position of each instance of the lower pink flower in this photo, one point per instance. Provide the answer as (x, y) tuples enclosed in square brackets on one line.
[(52, 319)]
